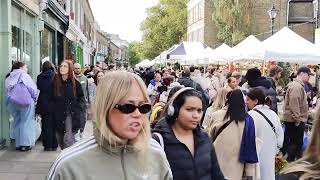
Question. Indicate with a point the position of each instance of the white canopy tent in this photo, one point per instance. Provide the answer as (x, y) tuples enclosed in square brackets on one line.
[(145, 63), (187, 53), (248, 49), (217, 55), (287, 46)]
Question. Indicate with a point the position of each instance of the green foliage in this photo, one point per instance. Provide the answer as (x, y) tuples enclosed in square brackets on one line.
[(284, 80), (234, 19), (135, 50), (165, 25)]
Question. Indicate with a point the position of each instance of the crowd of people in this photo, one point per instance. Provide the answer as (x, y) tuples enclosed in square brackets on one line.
[(167, 124)]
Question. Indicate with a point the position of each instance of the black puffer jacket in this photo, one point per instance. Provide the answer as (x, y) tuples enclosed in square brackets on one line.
[(44, 84), (266, 86), (60, 105), (203, 166)]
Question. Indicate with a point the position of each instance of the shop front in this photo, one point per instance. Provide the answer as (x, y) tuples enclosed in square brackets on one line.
[(53, 40), (19, 41)]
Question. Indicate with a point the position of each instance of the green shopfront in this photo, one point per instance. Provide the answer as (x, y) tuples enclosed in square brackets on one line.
[(19, 41)]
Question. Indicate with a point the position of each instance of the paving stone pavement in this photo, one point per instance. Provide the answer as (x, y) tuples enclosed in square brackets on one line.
[(32, 165)]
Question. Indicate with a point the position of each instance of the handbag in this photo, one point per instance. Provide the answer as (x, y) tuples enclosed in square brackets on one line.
[(20, 94), (37, 128), (280, 162)]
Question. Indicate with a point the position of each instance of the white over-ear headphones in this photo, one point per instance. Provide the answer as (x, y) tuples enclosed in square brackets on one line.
[(171, 109)]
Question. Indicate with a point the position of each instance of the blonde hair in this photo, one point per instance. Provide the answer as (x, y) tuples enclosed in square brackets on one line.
[(220, 99), (309, 164), (112, 88)]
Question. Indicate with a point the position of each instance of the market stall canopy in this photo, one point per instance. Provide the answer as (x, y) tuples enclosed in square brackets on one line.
[(218, 55), (248, 49), (287, 46), (187, 53), (145, 63)]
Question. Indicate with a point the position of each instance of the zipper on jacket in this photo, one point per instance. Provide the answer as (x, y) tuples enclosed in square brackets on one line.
[(193, 158), (122, 162)]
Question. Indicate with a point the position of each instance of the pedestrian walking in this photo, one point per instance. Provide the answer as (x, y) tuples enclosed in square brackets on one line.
[(67, 102), (268, 130), (86, 85), (153, 86), (188, 148), (21, 93), (219, 102), (121, 147), (255, 79), (232, 132), (44, 83), (295, 115), (307, 167)]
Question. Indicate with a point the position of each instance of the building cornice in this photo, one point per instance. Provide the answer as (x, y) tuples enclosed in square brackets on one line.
[(58, 11)]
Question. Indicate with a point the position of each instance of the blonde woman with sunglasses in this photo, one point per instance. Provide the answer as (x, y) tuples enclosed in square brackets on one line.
[(121, 147)]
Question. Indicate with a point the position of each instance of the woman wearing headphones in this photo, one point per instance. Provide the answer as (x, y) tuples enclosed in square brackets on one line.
[(188, 148)]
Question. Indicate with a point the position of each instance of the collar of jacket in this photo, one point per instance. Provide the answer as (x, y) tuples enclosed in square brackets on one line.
[(261, 106), (166, 131), (116, 149), (299, 81)]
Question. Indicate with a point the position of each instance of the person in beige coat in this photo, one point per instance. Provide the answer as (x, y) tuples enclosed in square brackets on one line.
[(228, 141), (295, 115)]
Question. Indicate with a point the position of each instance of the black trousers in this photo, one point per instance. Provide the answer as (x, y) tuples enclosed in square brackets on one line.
[(293, 140), (48, 134)]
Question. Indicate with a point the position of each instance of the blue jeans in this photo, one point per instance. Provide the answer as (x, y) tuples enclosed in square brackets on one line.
[(23, 125)]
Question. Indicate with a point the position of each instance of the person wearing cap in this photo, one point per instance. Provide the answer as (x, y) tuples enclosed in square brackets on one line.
[(255, 79), (295, 114)]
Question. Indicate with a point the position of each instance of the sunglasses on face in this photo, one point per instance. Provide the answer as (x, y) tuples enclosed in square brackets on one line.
[(130, 108)]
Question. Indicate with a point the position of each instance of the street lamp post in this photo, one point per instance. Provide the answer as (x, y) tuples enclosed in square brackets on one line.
[(272, 14)]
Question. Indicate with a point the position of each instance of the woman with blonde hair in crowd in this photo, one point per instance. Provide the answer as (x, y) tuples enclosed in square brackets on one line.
[(307, 167), (121, 147), (219, 102)]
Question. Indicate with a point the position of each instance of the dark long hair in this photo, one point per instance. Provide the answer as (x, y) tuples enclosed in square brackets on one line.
[(258, 94), (47, 66), (57, 83), (236, 106), (16, 65), (179, 101), (95, 77)]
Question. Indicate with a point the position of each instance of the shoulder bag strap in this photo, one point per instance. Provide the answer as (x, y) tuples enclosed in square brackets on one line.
[(265, 117), (160, 139), (87, 87), (221, 129)]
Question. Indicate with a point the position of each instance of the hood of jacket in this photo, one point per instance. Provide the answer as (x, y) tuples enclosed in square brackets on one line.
[(47, 75), (261, 81)]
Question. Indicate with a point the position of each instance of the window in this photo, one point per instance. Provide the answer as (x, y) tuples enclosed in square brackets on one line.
[(23, 29)]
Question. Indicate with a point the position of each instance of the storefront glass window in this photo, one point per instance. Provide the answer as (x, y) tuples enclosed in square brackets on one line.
[(22, 36), (47, 46)]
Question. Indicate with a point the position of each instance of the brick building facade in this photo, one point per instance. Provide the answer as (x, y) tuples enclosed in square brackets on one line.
[(298, 14)]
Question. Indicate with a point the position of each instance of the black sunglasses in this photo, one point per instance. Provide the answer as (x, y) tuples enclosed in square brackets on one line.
[(130, 108)]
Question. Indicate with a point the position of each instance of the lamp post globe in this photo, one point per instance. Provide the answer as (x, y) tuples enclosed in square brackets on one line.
[(272, 14)]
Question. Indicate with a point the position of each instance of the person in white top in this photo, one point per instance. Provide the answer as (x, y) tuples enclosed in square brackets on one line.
[(268, 129)]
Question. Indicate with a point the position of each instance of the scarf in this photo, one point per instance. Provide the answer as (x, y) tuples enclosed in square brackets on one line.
[(248, 152)]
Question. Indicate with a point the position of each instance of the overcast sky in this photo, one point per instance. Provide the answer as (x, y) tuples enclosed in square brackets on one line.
[(121, 17)]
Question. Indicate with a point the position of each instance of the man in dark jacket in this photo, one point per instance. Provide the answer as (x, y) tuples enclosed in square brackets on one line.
[(256, 80), (186, 81)]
